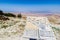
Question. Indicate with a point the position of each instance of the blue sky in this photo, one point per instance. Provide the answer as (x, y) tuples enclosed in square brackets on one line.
[(30, 5)]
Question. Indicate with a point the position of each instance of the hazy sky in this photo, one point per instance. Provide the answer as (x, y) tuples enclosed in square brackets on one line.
[(30, 5)]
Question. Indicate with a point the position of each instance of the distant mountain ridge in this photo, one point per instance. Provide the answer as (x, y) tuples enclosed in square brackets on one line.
[(41, 12)]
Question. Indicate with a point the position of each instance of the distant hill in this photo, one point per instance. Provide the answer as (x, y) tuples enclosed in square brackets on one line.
[(54, 18)]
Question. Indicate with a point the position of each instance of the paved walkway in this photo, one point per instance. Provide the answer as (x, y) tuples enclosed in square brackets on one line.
[(45, 32)]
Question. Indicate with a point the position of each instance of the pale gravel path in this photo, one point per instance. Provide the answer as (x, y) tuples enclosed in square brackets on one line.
[(44, 27)]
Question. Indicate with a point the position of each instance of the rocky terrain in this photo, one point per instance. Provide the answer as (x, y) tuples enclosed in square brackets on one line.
[(13, 27), (55, 24), (54, 18)]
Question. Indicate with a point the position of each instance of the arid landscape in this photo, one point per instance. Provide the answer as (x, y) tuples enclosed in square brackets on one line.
[(12, 26), (29, 19)]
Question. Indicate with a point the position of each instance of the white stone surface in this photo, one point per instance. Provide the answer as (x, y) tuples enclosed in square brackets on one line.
[(45, 31)]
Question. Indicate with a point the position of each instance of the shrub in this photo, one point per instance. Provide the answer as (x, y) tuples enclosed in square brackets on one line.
[(19, 16), (9, 15), (1, 12), (4, 26)]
